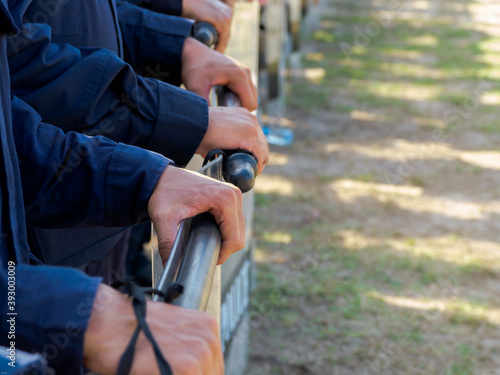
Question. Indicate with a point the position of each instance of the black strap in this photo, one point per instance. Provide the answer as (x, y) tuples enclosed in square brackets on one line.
[(139, 306)]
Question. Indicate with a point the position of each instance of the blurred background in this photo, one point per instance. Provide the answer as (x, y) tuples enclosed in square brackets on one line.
[(377, 227)]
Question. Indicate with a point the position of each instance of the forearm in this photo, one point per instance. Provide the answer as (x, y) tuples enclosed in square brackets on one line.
[(74, 180), (93, 91)]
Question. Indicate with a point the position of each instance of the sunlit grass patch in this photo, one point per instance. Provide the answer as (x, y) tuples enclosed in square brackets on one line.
[(278, 237), (274, 185), (373, 100), (491, 98), (423, 40), (324, 36), (398, 90)]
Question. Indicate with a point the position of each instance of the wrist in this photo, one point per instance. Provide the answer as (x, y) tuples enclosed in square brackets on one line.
[(111, 312), (187, 49)]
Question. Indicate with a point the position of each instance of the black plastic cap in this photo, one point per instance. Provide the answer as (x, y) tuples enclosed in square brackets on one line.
[(240, 169)]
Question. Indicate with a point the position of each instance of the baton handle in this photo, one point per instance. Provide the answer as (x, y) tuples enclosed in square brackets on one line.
[(205, 33), (197, 268)]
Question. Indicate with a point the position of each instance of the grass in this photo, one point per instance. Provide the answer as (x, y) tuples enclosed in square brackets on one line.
[(345, 282)]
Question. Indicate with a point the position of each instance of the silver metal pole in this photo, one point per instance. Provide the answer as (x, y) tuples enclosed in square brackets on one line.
[(197, 269)]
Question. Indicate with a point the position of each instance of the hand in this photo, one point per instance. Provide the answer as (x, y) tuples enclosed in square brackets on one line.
[(188, 339), (203, 68), (214, 12), (230, 128), (180, 194)]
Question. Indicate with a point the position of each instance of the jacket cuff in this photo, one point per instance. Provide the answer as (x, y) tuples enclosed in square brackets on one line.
[(182, 124), (53, 323), (154, 42), (175, 30), (162, 41), (139, 170)]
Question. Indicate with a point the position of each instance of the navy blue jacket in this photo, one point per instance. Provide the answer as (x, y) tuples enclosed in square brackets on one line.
[(151, 42), (138, 111), (173, 7), (107, 184), (93, 91)]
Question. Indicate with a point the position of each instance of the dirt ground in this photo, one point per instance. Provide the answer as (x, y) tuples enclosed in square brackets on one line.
[(378, 229)]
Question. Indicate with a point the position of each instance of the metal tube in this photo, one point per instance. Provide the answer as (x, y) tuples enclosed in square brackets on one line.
[(226, 98), (197, 268), (194, 255), (174, 259)]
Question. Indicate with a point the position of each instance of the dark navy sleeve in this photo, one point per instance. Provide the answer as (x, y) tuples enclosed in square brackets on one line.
[(153, 42), (50, 313), (172, 7), (93, 91), (72, 180)]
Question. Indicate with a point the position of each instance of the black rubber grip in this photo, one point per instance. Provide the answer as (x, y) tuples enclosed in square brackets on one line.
[(206, 33), (240, 169)]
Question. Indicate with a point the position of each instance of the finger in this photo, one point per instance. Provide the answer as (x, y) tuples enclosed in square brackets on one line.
[(222, 42), (229, 217), (245, 89), (166, 233), (239, 80), (224, 30), (258, 144), (228, 248), (224, 16), (255, 94), (231, 240), (250, 101), (261, 151)]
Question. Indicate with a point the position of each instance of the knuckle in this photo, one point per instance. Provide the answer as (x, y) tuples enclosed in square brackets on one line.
[(242, 111), (237, 194), (254, 119), (231, 195), (253, 128), (242, 74)]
